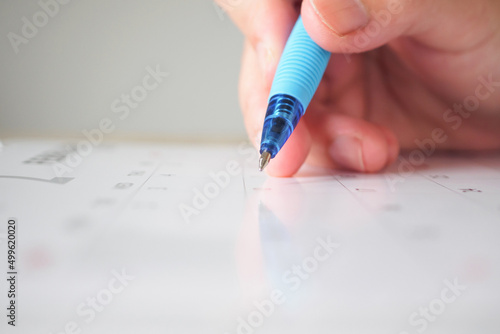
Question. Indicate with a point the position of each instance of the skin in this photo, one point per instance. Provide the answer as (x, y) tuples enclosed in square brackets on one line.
[(386, 86)]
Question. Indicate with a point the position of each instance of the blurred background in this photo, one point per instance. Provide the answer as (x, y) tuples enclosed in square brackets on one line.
[(66, 65)]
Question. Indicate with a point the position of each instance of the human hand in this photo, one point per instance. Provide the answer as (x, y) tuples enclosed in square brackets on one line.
[(416, 74)]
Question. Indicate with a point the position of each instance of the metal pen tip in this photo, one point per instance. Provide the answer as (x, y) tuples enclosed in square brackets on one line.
[(265, 157)]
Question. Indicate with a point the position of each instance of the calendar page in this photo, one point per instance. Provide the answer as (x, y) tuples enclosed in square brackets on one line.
[(187, 238)]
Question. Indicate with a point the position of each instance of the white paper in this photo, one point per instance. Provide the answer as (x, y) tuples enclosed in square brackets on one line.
[(143, 238)]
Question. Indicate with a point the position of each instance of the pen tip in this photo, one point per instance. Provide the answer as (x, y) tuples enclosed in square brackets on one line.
[(265, 157)]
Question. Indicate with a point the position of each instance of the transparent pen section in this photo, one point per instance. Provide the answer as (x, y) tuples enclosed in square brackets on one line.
[(283, 114)]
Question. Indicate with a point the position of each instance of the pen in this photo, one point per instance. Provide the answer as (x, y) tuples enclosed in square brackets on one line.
[(299, 72)]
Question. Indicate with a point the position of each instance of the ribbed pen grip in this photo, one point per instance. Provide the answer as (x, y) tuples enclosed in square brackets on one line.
[(301, 66)]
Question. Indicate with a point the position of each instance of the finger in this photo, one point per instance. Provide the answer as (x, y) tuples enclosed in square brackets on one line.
[(253, 99), (266, 24), (353, 26), (359, 145), (293, 154), (252, 94)]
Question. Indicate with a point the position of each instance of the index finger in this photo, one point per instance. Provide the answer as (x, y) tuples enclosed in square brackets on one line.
[(266, 24)]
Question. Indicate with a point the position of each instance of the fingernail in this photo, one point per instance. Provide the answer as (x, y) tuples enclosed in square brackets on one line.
[(342, 16), (265, 58), (347, 152), (257, 140)]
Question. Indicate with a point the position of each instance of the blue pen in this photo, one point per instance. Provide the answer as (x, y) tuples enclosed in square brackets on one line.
[(299, 72)]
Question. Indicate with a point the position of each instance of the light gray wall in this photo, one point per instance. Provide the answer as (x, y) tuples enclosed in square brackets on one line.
[(67, 76)]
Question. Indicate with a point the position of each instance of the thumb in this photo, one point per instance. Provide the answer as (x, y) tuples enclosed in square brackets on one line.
[(354, 26)]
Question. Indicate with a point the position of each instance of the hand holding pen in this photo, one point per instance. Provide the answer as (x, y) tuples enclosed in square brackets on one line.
[(399, 71)]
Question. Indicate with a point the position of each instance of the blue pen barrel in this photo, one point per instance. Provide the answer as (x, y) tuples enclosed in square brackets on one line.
[(283, 114), (299, 72)]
